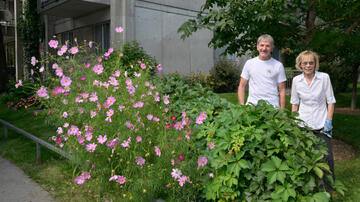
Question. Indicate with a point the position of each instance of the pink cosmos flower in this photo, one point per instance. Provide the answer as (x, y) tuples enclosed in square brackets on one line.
[(93, 97), (157, 99), (63, 48), (128, 82), (111, 100), (55, 66), (211, 145), (80, 180), (199, 121), (18, 84), (33, 61), (143, 66), (202, 115), (172, 162), (121, 179), (138, 138), (91, 147), (84, 95), (159, 67), (102, 139), (187, 136), (78, 100), (119, 29), (42, 92), (126, 143), (65, 114), (147, 83), (82, 78), (202, 161), (65, 81), (42, 69), (60, 53), (149, 116), (92, 114), (157, 150), (113, 81), (66, 125), (53, 43), (121, 108), (131, 90), (59, 72), (138, 104), (211, 175), (178, 126), (81, 140), (74, 50), (182, 180), (59, 130), (137, 74), (140, 161), (73, 130), (121, 54), (90, 44), (88, 135), (108, 119), (156, 119), (176, 173), (31, 72), (110, 113), (113, 142), (98, 69), (117, 73)]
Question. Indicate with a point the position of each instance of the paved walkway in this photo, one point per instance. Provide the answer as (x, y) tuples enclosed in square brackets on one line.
[(15, 186)]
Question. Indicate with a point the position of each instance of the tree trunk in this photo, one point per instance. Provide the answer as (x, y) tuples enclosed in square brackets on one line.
[(3, 67), (354, 86)]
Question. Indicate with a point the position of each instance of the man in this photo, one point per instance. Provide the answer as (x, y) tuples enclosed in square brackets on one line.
[(266, 76)]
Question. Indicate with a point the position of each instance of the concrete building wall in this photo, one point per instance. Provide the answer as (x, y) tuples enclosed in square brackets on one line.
[(153, 23), (156, 25)]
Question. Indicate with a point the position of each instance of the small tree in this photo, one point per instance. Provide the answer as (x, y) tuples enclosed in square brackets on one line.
[(325, 26)]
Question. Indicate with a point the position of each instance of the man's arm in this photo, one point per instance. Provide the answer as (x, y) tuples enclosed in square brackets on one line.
[(241, 91), (282, 94), (294, 108)]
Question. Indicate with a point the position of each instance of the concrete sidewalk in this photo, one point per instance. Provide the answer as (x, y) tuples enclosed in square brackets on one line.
[(15, 186)]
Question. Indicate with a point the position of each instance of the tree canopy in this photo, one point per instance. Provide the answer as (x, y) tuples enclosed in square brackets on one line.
[(321, 25)]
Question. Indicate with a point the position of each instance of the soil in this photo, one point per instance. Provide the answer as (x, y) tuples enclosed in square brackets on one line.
[(342, 151), (347, 110)]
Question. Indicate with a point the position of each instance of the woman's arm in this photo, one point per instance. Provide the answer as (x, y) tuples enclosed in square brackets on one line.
[(331, 108)]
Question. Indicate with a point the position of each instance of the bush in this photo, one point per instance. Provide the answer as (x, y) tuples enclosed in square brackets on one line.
[(260, 154), (226, 76)]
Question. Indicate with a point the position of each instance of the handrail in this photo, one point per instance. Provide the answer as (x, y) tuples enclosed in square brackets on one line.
[(36, 139)]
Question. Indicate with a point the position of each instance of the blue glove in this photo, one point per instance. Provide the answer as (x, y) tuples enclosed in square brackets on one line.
[(328, 125)]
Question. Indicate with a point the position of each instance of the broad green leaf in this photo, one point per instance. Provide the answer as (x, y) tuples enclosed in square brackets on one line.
[(318, 172), (272, 176), (268, 166), (276, 160), (280, 177), (321, 197)]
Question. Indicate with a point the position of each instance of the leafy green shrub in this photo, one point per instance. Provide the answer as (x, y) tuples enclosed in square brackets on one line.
[(226, 76), (130, 54), (261, 154)]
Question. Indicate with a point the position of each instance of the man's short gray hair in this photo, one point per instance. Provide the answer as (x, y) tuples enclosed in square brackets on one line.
[(266, 37)]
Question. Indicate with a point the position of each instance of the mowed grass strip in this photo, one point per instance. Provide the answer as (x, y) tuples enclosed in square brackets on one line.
[(55, 174)]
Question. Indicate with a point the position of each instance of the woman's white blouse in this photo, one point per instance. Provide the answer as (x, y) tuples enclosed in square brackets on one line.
[(312, 98)]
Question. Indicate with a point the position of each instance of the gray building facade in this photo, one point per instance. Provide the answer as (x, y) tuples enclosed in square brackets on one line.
[(153, 23)]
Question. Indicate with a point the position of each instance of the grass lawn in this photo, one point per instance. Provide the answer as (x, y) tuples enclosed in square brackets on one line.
[(56, 173)]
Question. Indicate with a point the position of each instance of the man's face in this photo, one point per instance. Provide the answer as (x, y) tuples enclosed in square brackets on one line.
[(265, 48)]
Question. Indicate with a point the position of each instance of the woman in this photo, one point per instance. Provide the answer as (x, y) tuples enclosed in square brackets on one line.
[(312, 90)]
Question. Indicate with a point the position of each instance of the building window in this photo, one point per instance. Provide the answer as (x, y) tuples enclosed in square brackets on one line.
[(10, 54), (102, 36)]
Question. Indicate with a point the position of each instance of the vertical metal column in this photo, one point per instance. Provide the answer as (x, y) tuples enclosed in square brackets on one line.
[(38, 153), (5, 131)]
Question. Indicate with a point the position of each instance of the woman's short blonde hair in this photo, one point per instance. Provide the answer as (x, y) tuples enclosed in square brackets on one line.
[(307, 53)]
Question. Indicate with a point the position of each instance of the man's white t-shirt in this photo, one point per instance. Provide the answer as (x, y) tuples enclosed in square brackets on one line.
[(263, 77)]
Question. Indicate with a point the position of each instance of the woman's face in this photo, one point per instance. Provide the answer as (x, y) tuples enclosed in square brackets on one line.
[(308, 64)]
